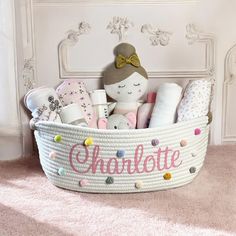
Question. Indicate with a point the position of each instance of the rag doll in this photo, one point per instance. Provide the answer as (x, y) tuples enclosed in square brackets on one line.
[(125, 80), (117, 121)]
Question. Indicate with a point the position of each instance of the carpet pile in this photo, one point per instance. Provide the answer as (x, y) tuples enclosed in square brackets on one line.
[(31, 205)]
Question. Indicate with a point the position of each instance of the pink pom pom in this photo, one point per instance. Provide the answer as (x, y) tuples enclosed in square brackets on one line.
[(83, 182), (197, 131), (52, 155)]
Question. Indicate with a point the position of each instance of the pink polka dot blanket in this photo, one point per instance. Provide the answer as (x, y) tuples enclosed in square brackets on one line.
[(74, 91)]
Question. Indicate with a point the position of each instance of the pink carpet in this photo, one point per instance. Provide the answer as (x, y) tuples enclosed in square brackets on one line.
[(30, 205)]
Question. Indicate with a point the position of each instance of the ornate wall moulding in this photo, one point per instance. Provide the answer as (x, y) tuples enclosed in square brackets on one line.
[(156, 35), (229, 97), (193, 35), (28, 74), (120, 26), (110, 2), (28, 47), (71, 40)]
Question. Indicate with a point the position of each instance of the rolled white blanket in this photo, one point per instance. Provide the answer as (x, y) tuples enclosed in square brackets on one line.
[(167, 100), (196, 100)]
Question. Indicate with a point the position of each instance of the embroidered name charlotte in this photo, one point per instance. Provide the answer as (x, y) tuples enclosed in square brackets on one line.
[(85, 160)]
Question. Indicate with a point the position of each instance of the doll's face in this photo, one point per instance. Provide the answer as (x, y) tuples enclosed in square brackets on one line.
[(128, 90)]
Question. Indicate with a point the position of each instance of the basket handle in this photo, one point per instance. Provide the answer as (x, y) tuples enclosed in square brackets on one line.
[(209, 114), (32, 124)]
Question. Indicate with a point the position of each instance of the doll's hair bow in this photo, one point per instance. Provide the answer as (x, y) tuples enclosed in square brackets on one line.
[(121, 61)]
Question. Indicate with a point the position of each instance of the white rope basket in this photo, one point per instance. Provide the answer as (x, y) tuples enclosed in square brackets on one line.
[(121, 161)]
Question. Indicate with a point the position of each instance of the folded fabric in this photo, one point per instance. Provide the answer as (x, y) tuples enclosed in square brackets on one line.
[(71, 114), (44, 104), (74, 91), (196, 100), (167, 100)]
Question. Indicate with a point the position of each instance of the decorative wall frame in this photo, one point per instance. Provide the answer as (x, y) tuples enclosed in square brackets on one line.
[(156, 35), (111, 2), (28, 70), (229, 85), (29, 74), (71, 40), (120, 26), (193, 35), (26, 63)]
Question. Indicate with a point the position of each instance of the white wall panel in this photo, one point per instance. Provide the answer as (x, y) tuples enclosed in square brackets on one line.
[(54, 18), (10, 124), (229, 98), (95, 49)]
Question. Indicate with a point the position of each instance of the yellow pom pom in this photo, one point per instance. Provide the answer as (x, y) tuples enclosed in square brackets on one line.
[(167, 176), (57, 138), (88, 141), (210, 117)]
